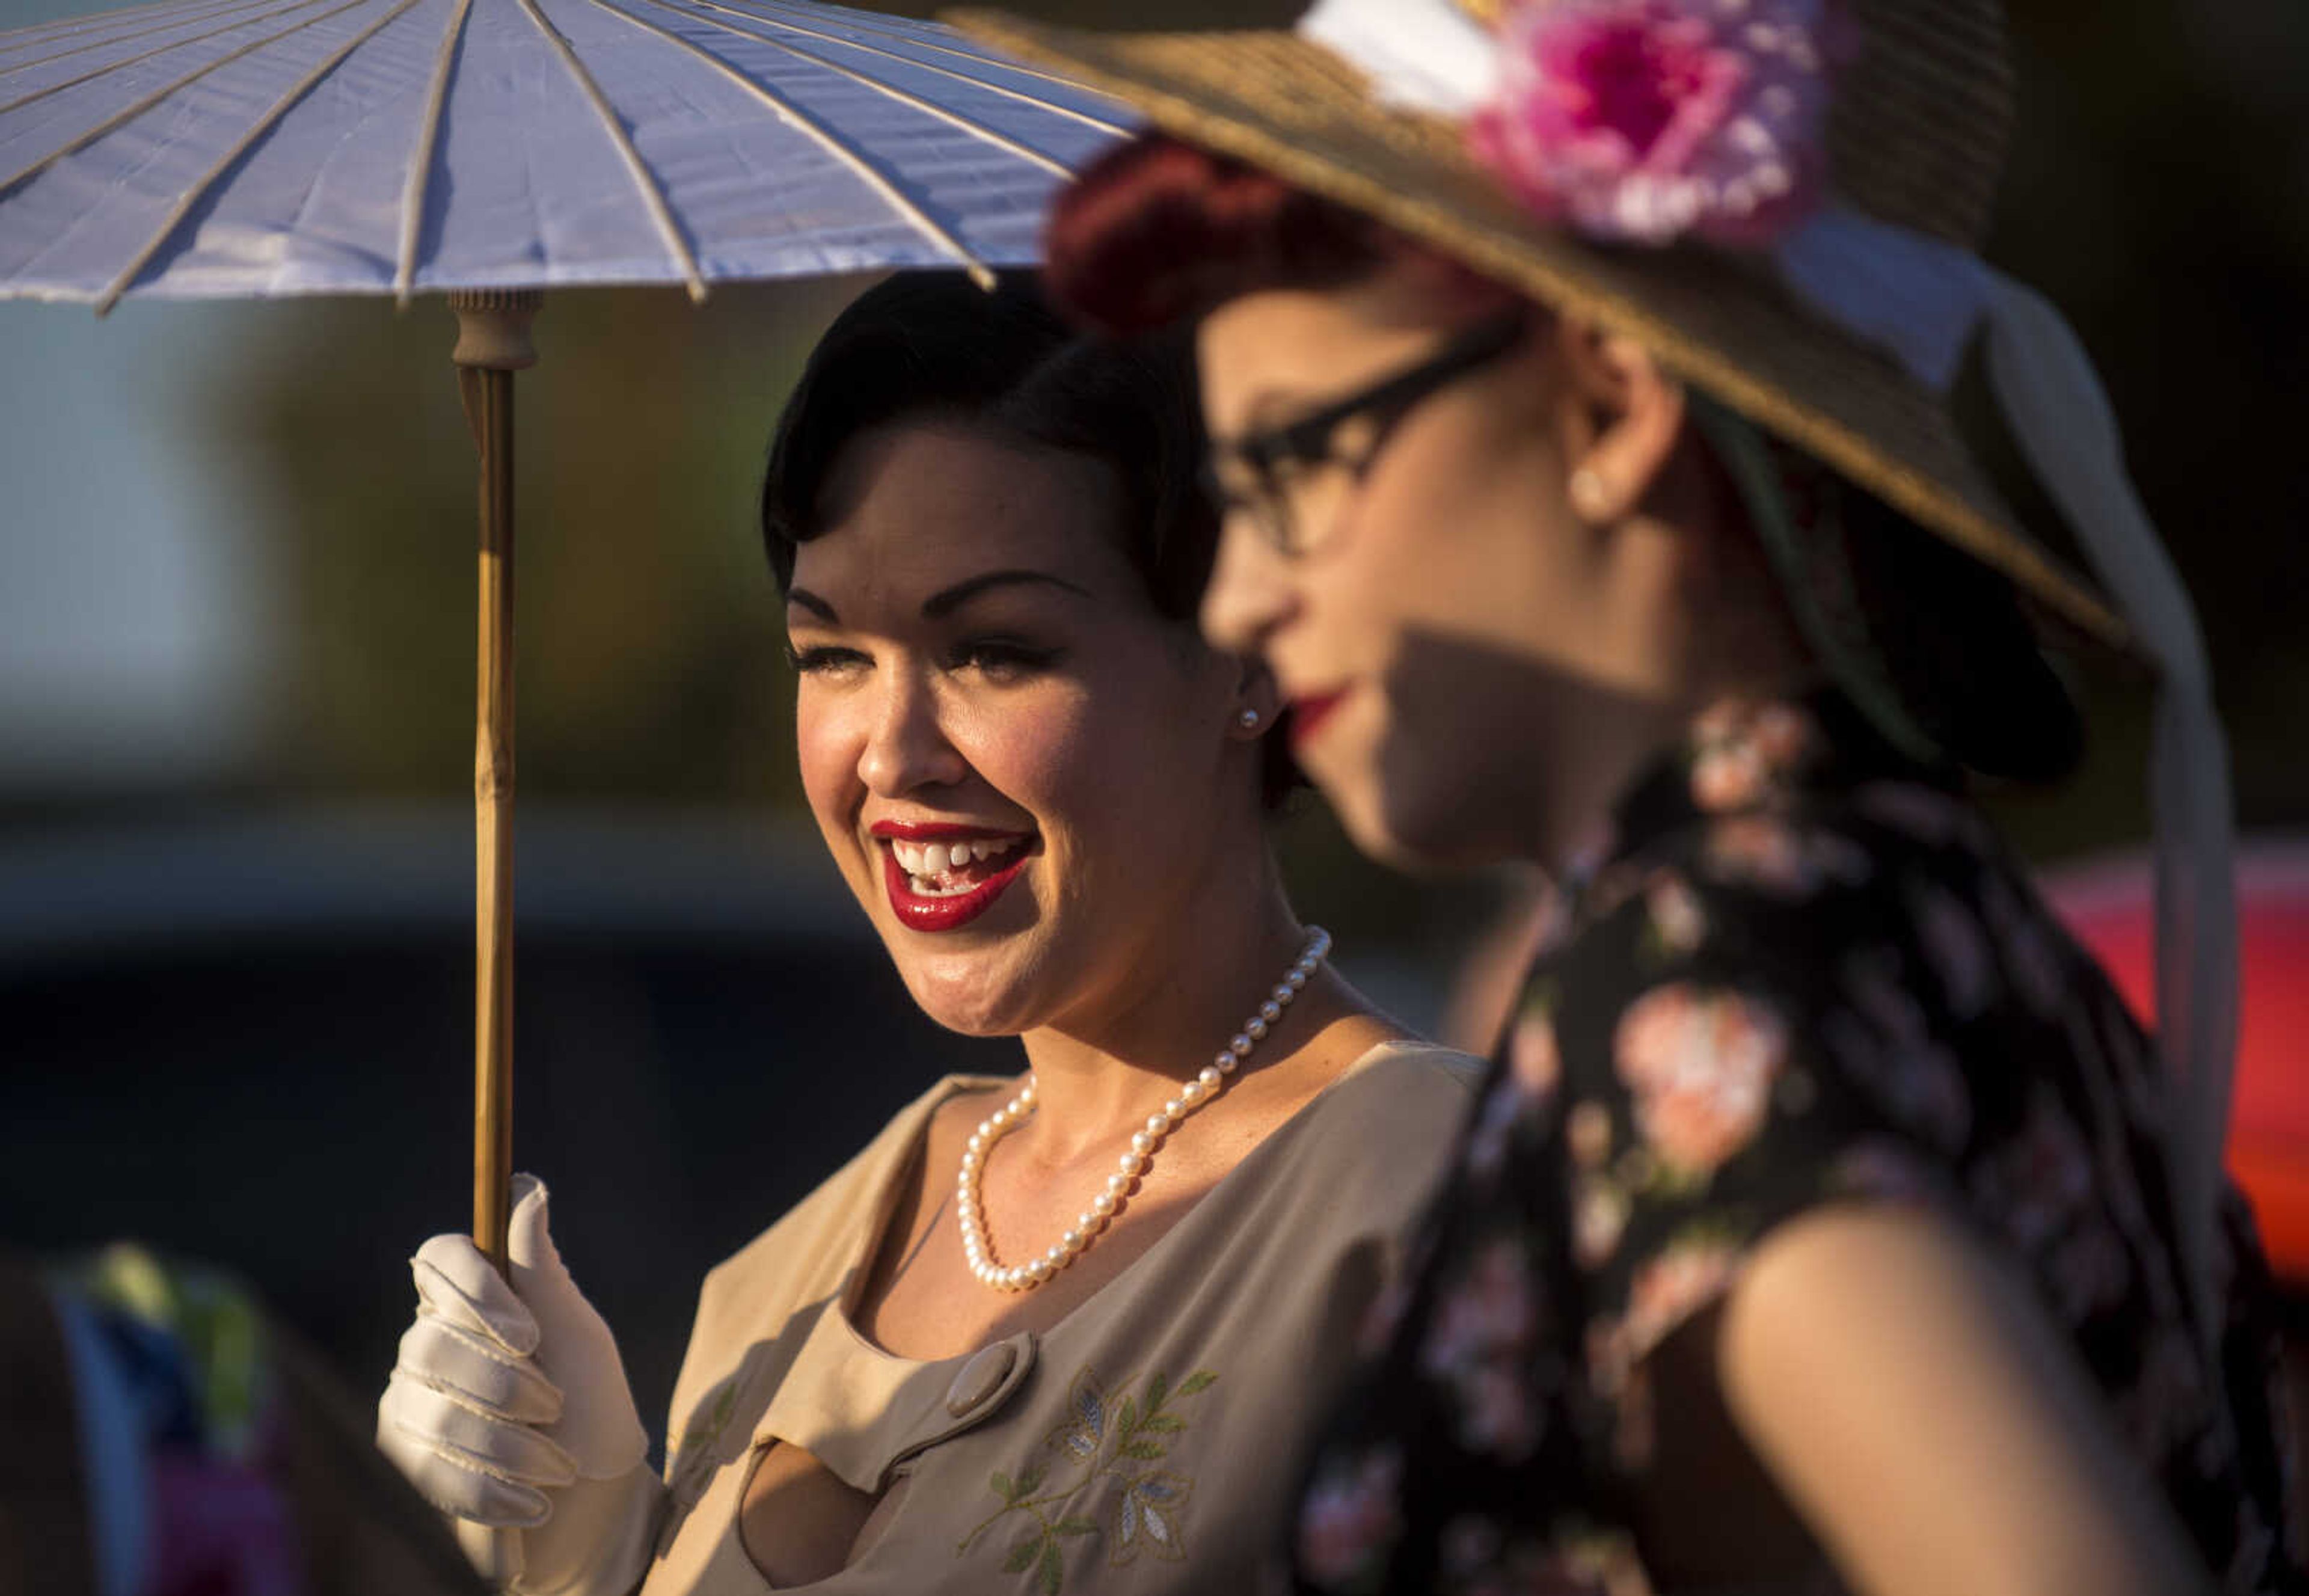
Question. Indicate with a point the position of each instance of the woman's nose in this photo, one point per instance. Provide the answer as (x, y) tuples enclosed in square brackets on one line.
[(906, 748), (1249, 593)]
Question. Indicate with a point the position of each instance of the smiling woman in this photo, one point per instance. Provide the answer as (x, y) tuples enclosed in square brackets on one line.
[(1065, 1333)]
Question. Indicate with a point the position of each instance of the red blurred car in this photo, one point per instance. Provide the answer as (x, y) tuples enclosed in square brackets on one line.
[(2109, 906)]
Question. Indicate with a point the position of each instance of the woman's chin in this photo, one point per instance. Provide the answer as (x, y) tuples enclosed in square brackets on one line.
[(971, 1024), (969, 996), (1406, 828), (1369, 779)]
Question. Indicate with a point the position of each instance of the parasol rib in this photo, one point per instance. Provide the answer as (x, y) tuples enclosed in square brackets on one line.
[(651, 194), (95, 72), (999, 140), (420, 166), (129, 113), (827, 140), (190, 200), (14, 45), (158, 49), (976, 57), (155, 16), (851, 44)]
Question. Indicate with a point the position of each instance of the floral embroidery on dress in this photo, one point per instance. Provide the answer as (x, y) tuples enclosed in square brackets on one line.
[(713, 1436), (705, 1428), (1098, 1442), (719, 1425), (1147, 1518)]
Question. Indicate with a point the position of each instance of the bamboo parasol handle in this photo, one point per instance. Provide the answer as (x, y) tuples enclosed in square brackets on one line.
[(493, 342)]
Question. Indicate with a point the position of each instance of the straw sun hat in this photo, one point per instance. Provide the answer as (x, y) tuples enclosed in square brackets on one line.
[(1782, 199), (1915, 140)]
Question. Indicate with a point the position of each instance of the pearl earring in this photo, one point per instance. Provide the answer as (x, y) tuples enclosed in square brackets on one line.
[(1248, 719), (1589, 493)]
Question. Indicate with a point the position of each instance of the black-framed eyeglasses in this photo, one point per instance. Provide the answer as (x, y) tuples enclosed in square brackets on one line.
[(1271, 475)]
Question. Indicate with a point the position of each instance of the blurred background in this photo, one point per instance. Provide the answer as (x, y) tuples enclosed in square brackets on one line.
[(235, 698)]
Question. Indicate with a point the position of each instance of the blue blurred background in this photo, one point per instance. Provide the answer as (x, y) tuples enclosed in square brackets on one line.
[(236, 686)]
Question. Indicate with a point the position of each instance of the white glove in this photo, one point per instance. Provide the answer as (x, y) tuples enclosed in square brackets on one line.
[(509, 1409)]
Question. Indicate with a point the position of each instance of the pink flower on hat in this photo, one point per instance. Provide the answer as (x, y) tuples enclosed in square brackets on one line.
[(1643, 121)]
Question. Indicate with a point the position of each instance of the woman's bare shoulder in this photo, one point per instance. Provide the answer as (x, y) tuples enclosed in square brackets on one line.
[(1888, 1344)]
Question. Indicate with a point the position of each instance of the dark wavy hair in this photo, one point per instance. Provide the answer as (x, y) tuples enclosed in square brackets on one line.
[(927, 346)]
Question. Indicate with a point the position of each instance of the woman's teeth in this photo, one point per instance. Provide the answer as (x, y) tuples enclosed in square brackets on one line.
[(927, 862)]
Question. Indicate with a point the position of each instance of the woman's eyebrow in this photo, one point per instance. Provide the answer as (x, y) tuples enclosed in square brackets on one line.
[(814, 604), (1274, 407), (948, 599)]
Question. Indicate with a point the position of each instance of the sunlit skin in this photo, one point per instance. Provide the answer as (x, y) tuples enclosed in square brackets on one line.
[(1510, 655), (1051, 701), (977, 650)]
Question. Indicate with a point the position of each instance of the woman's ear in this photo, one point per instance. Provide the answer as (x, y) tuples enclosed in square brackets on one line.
[(1623, 417), (1258, 701)]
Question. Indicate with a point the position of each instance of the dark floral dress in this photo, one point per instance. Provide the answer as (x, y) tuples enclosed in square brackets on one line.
[(1801, 970)]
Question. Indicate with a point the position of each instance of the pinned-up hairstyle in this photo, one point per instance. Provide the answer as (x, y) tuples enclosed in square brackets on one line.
[(926, 346), (1926, 639), (1157, 231), (932, 346)]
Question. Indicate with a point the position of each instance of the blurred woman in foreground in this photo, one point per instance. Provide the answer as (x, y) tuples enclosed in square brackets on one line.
[(1044, 1333), (1826, 1220)]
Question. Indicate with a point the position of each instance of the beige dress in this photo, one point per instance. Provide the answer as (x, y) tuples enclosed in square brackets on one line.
[(1146, 1442)]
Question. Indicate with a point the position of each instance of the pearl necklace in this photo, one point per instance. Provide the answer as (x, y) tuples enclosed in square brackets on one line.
[(976, 1247)]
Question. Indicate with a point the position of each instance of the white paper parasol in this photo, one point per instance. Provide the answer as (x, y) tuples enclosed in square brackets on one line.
[(491, 148)]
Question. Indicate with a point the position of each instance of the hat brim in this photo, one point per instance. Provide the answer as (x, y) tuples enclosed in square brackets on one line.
[(1289, 106)]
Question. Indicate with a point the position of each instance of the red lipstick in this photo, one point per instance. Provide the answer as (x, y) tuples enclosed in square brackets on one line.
[(928, 912), (1308, 713)]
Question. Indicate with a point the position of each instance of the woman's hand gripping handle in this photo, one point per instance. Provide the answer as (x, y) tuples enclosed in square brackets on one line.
[(509, 1411)]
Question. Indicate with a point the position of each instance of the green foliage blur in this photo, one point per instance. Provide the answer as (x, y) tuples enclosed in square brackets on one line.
[(647, 638)]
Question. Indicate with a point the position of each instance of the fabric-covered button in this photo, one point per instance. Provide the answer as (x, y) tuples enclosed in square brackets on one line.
[(981, 1377)]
